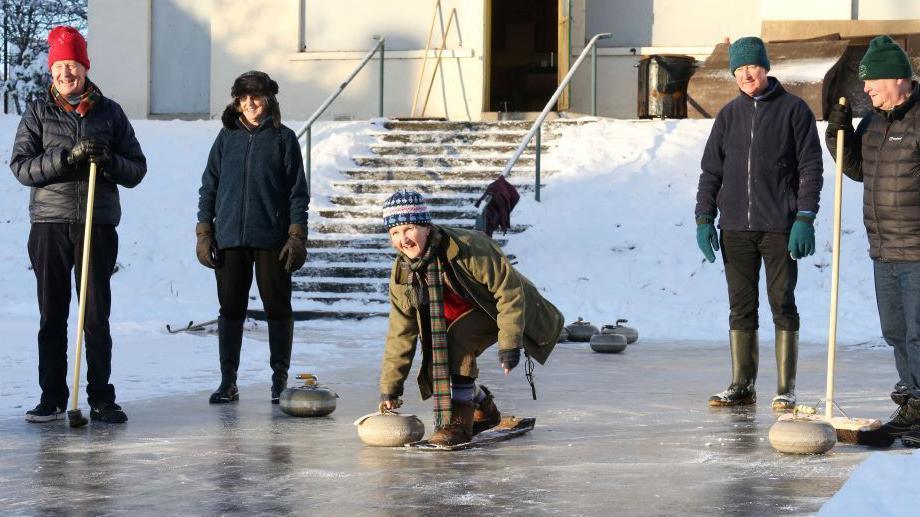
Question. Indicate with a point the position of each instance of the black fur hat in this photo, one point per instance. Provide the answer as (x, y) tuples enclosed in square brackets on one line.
[(257, 83)]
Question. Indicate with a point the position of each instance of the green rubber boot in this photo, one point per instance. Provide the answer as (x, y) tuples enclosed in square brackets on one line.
[(743, 344)]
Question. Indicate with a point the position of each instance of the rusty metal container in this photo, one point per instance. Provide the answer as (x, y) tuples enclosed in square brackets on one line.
[(663, 85)]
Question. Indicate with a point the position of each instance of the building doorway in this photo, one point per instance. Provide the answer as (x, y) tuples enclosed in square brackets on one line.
[(524, 50)]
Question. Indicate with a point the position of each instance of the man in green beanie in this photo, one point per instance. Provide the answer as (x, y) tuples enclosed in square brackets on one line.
[(762, 175), (883, 153)]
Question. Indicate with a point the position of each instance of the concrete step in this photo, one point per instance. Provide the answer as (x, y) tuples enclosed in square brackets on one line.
[(325, 255), (345, 270), (367, 211), (318, 241), (521, 172), (376, 200), (446, 137), (354, 241), (454, 150), (440, 161), (375, 304), (483, 125), (331, 285), (455, 125), (375, 226), (424, 187)]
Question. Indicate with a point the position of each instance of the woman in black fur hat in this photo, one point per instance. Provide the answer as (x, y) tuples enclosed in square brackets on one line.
[(252, 214)]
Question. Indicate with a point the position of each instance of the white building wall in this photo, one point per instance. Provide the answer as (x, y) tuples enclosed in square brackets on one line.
[(119, 52), (333, 50), (807, 10), (310, 47)]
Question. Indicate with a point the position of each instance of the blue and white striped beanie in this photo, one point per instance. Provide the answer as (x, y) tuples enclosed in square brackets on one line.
[(405, 207)]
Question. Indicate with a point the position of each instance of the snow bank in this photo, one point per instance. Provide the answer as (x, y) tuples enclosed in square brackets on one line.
[(615, 237), (884, 484)]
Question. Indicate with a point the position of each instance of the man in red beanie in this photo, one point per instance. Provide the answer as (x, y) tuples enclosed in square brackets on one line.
[(58, 137)]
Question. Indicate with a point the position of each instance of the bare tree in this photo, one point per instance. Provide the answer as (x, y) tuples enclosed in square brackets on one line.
[(26, 24)]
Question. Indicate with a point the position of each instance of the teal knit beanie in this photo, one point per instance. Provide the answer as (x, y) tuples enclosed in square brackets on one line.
[(885, 59), (747, 51)]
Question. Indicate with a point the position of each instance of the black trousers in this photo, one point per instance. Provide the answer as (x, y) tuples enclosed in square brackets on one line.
[(54, 250), (234, 278), (742, 253)]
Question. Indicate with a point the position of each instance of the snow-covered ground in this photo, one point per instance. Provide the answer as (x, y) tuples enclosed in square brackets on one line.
[(614, 237)]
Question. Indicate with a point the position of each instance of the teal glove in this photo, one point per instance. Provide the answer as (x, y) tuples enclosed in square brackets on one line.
[(706, 237), (802, 236)]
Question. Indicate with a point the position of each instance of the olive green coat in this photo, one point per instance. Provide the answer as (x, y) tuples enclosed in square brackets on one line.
[(485, 275)]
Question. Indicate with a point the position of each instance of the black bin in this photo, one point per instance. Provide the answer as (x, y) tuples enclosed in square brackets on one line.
[(663, 85)]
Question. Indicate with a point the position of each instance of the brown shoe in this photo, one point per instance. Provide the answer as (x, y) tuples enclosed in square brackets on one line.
[(460, 428), (486, 415)]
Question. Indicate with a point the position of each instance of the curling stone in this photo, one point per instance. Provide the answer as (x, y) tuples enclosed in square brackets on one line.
[(563, 336), (311, 399), (608, 343), (632, 335), (581, 330), (802, 435), (389, 429)]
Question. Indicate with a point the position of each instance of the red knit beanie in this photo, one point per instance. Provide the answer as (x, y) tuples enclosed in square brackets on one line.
[(66, 43)]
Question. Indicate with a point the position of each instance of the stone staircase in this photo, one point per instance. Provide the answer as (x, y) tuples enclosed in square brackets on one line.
[(450, 163)]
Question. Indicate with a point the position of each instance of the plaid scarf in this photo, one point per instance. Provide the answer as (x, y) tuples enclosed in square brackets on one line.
[(88, 99), (428, 271)]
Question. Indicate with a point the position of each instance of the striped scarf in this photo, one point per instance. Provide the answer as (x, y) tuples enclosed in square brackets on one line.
[(88, 99), (431, 266)]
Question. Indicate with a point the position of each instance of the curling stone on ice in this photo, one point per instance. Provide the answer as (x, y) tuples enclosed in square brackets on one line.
[(389, 429), (608, 343), (581, 330), (631, 334), (563, 336), (796, 433), (311, 399)]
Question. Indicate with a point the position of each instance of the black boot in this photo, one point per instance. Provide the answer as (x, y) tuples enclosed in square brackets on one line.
[(230, 342), (743, 344), (787, 355), (903, 421), (280, 340)]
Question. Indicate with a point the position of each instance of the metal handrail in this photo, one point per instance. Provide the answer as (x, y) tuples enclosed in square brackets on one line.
[(535, 128), (307, 129)]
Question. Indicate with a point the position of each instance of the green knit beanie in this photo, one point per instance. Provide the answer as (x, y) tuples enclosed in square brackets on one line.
[(885, 59), (747, 51)]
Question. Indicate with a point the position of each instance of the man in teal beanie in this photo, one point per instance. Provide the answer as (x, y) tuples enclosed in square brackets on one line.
[(762, 175), (882, 153)]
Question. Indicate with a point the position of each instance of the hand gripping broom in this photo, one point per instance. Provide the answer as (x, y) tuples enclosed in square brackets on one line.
[(74, 415), (847, 428)]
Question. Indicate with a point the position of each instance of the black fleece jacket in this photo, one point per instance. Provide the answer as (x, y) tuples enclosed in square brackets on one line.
[(762, 163), (254, 186)]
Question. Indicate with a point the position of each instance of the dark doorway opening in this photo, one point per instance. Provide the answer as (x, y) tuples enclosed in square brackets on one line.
[(524, 54)]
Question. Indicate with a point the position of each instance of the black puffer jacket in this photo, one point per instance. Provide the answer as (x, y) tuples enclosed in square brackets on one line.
[(762, 163), (47, 133), (884, 154)]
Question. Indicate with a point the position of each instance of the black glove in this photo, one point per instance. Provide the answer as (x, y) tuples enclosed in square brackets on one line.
[(509, 358), (840, 117), (88, 149)]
